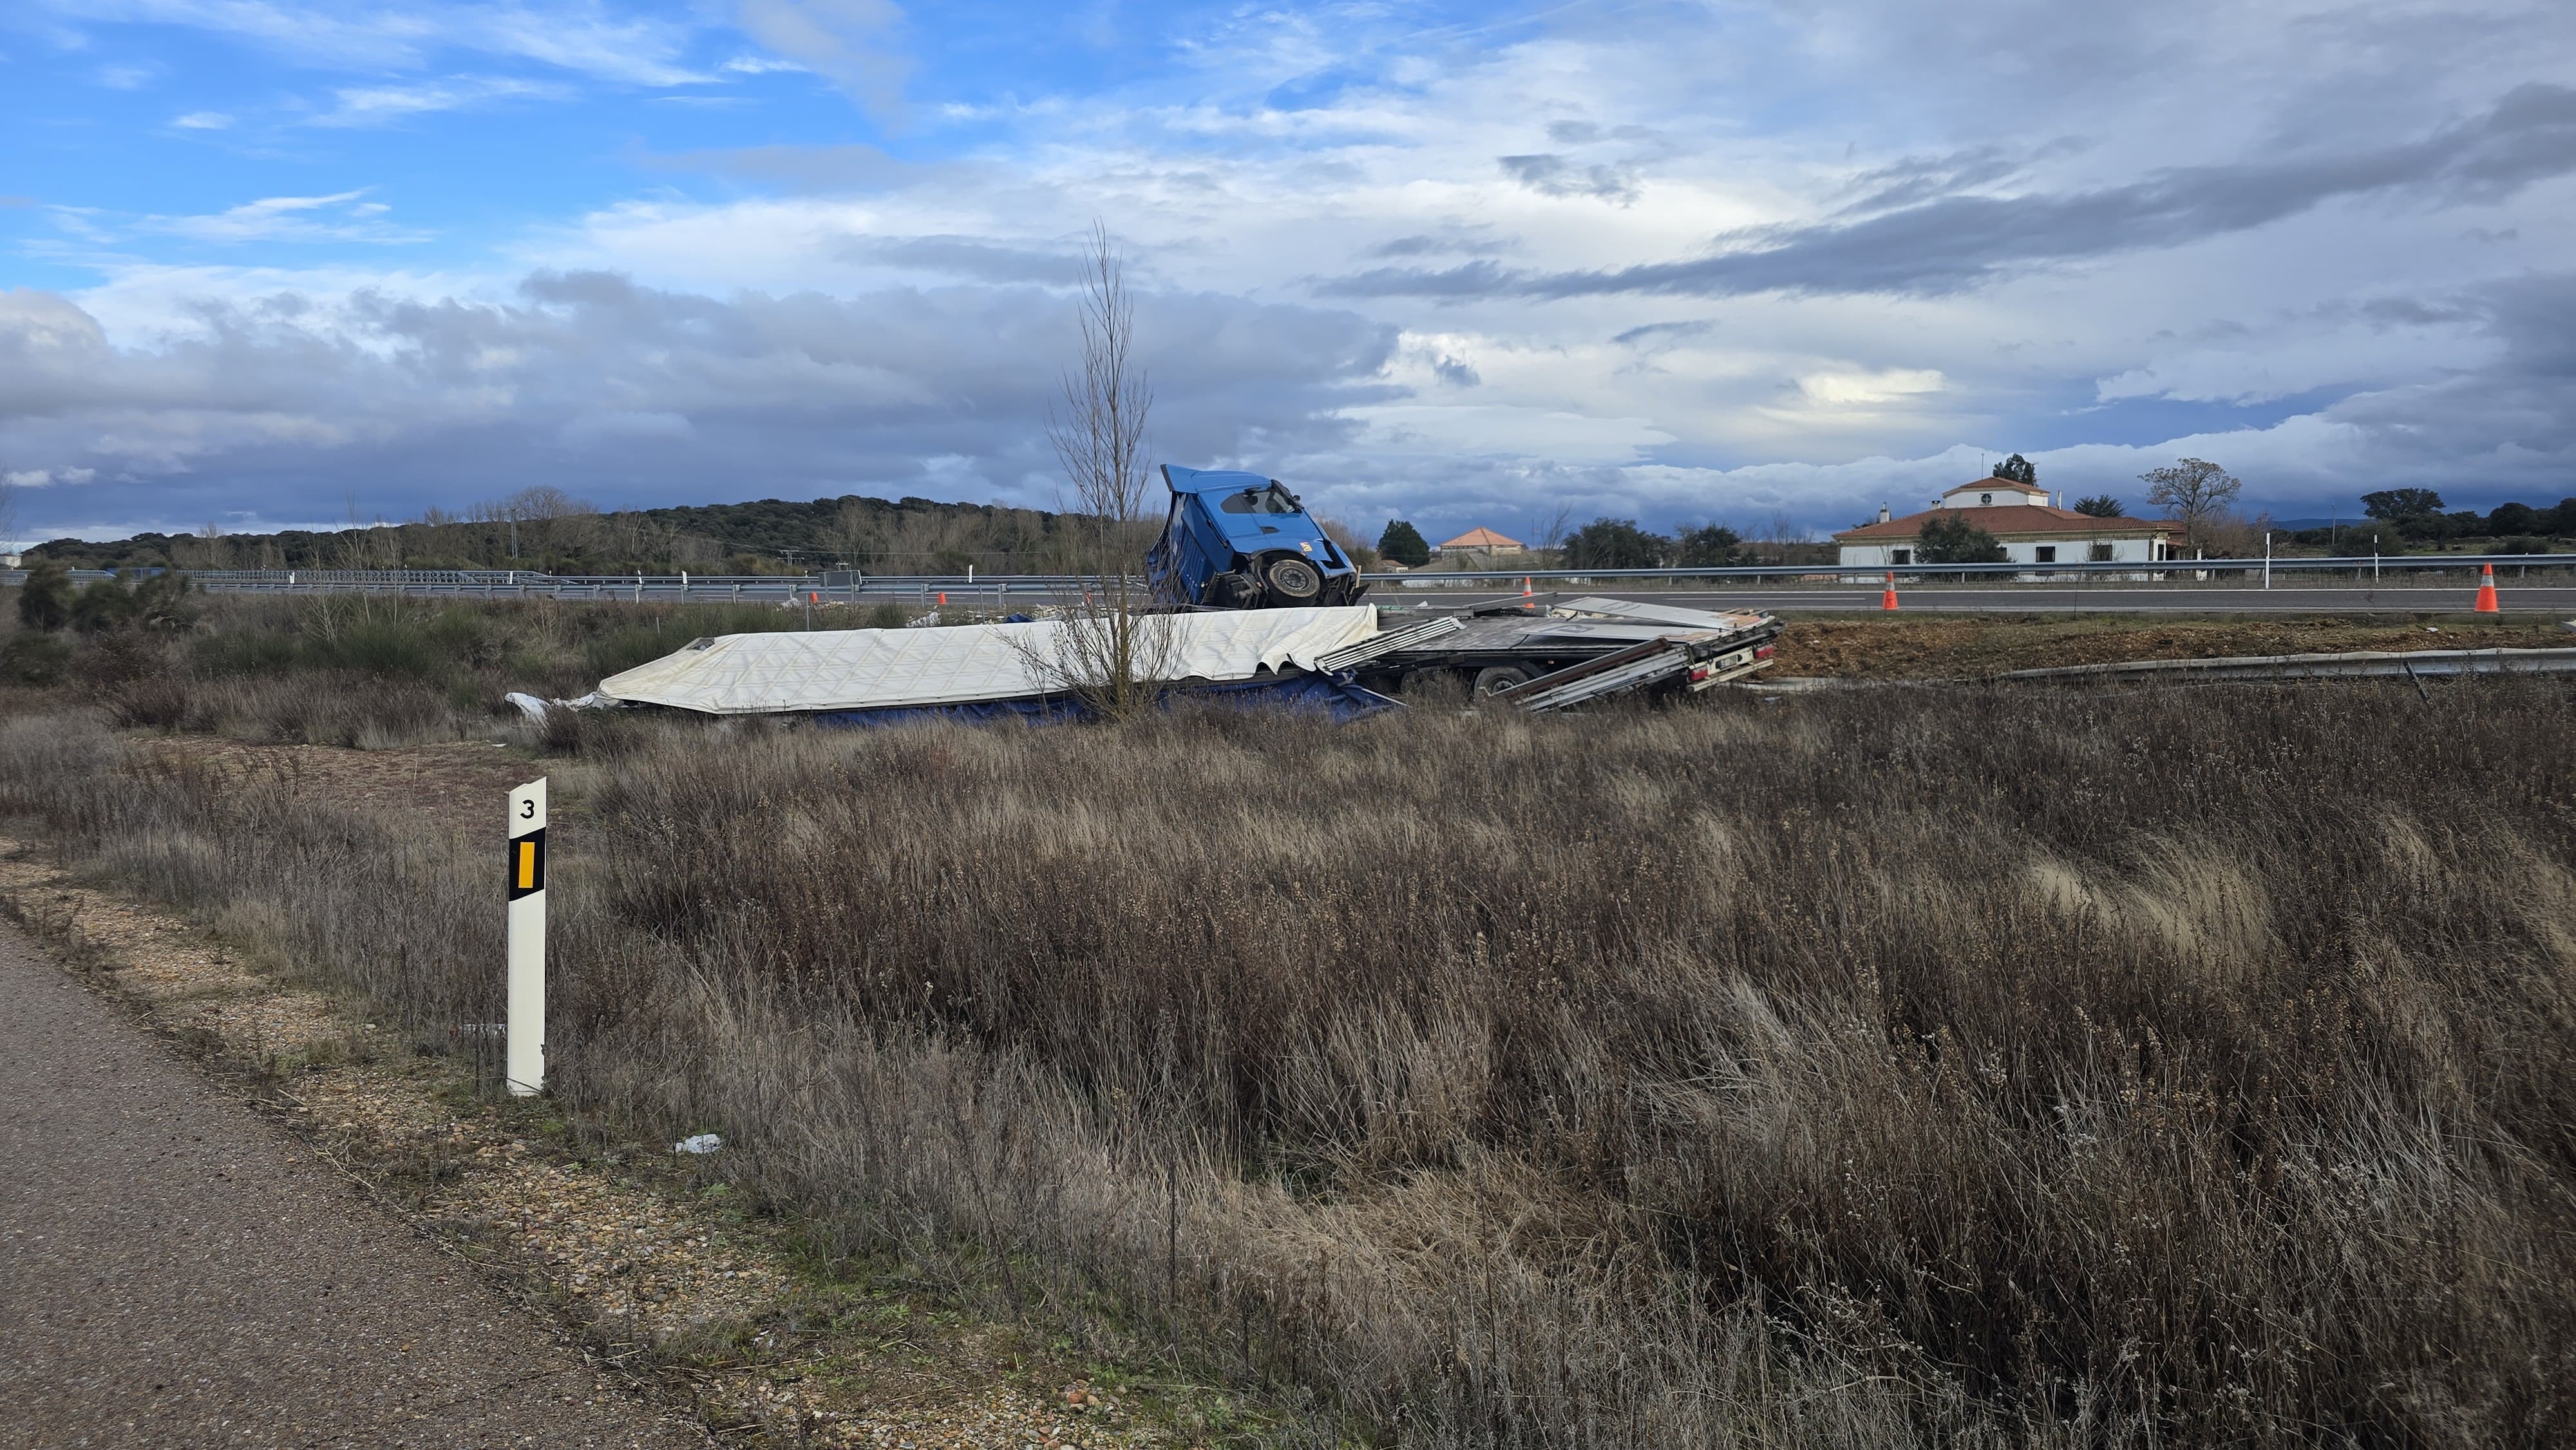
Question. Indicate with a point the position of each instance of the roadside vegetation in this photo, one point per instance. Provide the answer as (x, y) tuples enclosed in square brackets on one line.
[(2115, 1068), (366, 671)]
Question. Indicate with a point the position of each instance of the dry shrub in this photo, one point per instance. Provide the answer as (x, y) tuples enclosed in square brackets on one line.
[(2116, 1068)]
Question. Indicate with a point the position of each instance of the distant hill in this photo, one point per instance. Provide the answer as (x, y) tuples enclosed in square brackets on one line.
[(544, 530)]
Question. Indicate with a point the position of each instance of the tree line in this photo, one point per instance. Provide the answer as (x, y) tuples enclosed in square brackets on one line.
[(549, 531)]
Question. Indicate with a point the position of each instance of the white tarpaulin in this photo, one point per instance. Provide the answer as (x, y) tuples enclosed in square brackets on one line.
[(868, 669)]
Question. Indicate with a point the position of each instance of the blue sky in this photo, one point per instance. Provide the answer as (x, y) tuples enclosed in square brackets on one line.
[(265, 264)]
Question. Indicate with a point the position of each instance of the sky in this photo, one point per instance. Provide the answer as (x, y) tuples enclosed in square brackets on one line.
[(1773, 265)]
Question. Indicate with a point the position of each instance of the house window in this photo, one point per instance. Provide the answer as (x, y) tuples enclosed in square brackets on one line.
[(2101, 553), (1901, 556), (1985, 498), (2045, 554)]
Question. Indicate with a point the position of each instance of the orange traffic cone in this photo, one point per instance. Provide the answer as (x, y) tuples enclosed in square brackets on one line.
[(943, 599), (2486, 589), (1525, 589), (813, 596), (1887, 601)]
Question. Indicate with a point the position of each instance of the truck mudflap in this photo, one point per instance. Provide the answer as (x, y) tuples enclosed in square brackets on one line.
[(1694, 662)]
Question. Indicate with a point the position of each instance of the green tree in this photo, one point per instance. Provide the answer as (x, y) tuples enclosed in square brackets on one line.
[(1404, 544), (2401, 503), (2018, 469), (1607, 543), (2513, 518), (2102, 506), (1710, 546), (161, 601), (45, 600), (1955, 538)]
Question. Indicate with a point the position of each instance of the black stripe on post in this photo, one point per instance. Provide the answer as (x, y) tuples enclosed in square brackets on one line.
[(527, 864)]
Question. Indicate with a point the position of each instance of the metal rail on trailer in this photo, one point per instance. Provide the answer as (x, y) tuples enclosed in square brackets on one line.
[(1570, 652)]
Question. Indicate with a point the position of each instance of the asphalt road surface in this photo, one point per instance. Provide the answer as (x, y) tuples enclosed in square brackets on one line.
[(176, 1271), (2557, 602)]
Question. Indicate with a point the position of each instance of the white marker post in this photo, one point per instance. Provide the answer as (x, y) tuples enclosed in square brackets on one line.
[(527, 1047)]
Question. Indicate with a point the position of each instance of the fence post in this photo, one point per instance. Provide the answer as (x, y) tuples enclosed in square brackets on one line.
[(526, 1069)]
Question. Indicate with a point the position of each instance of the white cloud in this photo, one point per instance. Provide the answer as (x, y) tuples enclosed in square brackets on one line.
[(1307, 149), (202, 121), (342, 216), (1855, 387), (586, 37), (386, 104), (47, 477)]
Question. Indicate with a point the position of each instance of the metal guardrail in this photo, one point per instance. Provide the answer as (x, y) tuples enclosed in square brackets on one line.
[(2358, 664), (2163, 569), (927, 591), (999, 590)]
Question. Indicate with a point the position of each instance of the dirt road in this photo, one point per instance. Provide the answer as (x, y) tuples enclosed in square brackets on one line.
[(175, 1271)]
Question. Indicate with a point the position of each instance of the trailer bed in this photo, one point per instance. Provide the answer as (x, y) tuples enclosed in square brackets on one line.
[(1647, 646)]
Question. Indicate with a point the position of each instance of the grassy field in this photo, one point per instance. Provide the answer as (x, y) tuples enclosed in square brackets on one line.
[(1979, 1067), (1966, 647)]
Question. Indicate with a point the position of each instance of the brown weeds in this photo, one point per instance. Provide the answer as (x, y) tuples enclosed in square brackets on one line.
[(2114, 1068)]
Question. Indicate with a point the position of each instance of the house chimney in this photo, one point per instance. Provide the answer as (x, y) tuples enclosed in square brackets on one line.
[(1882, 513)]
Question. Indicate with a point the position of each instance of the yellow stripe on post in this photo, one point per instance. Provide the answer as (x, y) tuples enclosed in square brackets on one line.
[(527, 865)]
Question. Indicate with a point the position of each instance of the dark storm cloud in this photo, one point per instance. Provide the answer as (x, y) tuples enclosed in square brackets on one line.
[(1921, 178), (1456, 372), (1663, 332), (2513, 417), (625, 394), (1552, 175), (1955, 242)]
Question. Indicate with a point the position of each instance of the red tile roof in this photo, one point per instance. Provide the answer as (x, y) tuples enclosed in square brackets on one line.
[(1481, 538), (2008, 521)]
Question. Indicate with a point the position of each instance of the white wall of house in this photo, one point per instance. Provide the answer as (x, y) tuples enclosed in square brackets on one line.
[(2070, 550), (1991, 493)]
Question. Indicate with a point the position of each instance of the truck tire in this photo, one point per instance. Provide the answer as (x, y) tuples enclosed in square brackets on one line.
[(1493, 679), (1291, 581)]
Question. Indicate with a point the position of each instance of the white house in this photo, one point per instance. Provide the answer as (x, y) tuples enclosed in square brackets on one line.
[(2031, 529)]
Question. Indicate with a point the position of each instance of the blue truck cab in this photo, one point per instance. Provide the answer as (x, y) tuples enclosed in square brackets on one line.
[(1241, 541)]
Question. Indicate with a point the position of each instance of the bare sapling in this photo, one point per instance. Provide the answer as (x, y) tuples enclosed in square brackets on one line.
[(1115, 650)]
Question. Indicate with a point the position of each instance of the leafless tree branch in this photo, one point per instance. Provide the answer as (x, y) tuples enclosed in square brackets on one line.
[(1115, 651)]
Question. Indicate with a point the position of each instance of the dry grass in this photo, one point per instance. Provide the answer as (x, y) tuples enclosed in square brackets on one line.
[(378, 673), (2105, 1069), (1919, 645)]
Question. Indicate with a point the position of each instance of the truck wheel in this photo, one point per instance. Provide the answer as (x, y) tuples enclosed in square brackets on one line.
[(1494, 679), (1292, 581)]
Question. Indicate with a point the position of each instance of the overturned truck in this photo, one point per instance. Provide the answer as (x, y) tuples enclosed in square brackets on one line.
[(1346, 661), (1240, 541), (1256, 605)]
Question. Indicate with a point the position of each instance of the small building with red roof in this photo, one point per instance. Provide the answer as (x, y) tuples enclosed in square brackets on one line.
[(2020, 516), (1479, 541)]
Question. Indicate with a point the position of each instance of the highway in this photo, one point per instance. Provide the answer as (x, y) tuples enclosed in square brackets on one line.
[(2553, 601)]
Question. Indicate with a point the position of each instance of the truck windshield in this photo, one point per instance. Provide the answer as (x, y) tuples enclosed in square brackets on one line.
[(1271, 500)]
